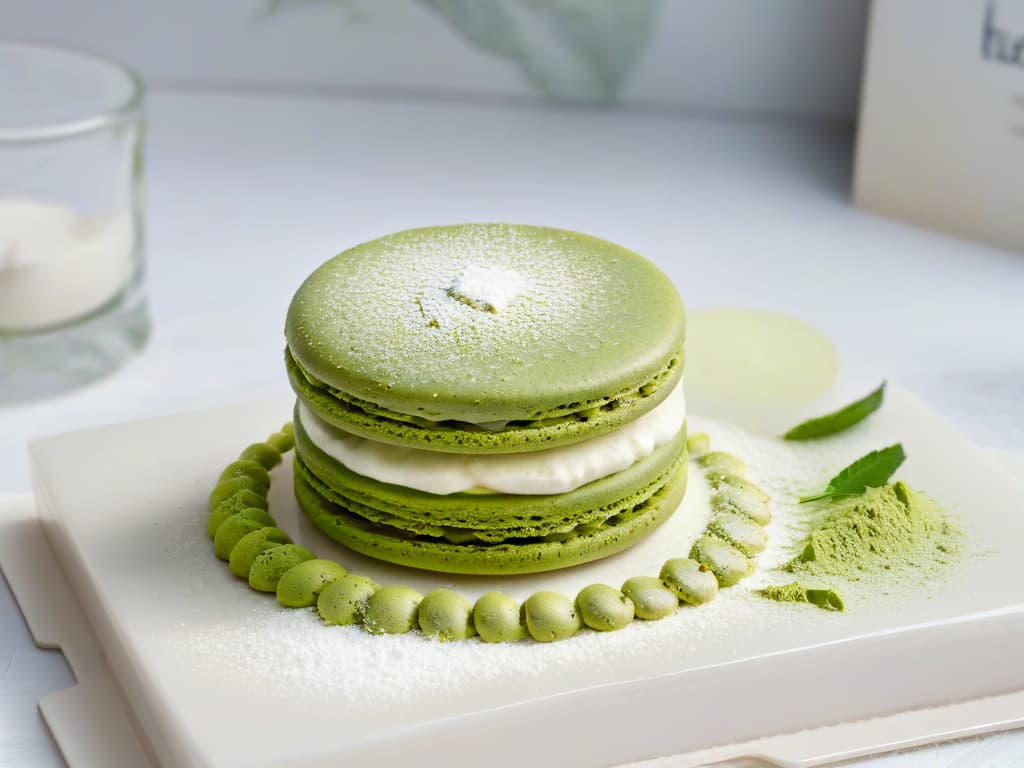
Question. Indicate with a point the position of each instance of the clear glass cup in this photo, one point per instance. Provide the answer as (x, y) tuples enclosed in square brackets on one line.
[(72, 305)]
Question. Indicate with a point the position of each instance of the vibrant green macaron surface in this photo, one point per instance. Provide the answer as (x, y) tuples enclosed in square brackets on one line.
[(484, 324)]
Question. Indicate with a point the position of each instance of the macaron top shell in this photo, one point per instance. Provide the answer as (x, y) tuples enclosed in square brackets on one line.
[(485, 323)]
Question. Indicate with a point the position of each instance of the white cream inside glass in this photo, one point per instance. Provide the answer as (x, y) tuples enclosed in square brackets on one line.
[(555, 470), (56, 264)]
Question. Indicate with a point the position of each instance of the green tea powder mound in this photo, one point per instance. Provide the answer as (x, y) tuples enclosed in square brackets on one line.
[(884, 529)]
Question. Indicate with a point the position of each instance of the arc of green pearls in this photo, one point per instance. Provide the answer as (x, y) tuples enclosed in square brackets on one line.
[(246, 536)]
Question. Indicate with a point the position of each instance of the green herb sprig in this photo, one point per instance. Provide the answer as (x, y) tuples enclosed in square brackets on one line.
[(837, 421), (870, 471)]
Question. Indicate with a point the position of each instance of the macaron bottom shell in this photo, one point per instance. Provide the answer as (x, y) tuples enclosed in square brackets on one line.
[(618, 533), (491, 517)]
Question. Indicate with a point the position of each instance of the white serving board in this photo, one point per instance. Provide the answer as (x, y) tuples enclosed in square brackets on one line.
[(123, 508)]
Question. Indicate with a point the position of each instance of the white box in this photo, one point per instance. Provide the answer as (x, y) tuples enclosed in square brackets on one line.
[(941, 138)]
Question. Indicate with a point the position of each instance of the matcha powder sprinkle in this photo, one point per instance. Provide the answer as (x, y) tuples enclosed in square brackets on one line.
[(884, 529)]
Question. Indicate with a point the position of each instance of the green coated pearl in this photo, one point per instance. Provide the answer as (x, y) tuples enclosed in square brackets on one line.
[(446, 615), (243, 499), (392, 610), (718, 463), (265, 455), (301, 585), (344, 601), (692, 582), (551, 616), (268, 567), (604, 608), (498, 618), (698, 444), (725, 561), (282, 441), (740, 531), (726, 502), (651, 598), (744, 486), (226, 489), (251, 546), (235, 527), (737, 494), (246, 468)]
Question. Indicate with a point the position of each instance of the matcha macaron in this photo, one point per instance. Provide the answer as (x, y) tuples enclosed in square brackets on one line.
[(488, 398)]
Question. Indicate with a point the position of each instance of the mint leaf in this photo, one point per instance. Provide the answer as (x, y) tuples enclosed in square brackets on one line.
[(837, 421), (870, 471)]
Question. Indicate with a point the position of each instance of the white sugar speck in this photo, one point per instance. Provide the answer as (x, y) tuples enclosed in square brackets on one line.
[(486, 287)]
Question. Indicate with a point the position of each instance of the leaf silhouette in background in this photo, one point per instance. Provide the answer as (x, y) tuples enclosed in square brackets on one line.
[(575, 50), (572, 50)]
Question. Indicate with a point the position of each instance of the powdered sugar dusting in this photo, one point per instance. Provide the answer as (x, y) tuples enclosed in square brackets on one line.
[(273, 652), (276, 652), (467, 314), (400, 290)]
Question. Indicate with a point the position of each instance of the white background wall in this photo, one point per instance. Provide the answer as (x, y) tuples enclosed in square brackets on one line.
[(795, 57)]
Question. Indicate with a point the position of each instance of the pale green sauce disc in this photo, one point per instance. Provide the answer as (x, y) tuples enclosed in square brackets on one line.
[(756, 368)]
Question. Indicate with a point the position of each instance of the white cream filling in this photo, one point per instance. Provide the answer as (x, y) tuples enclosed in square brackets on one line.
[(555, 470)]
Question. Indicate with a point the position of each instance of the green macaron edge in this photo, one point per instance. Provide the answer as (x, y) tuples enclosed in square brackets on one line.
[(549, 430), (587, 319), (395, 547), (547, 512)]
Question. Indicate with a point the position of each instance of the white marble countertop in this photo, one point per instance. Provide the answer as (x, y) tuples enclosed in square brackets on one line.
[(247, 193)]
